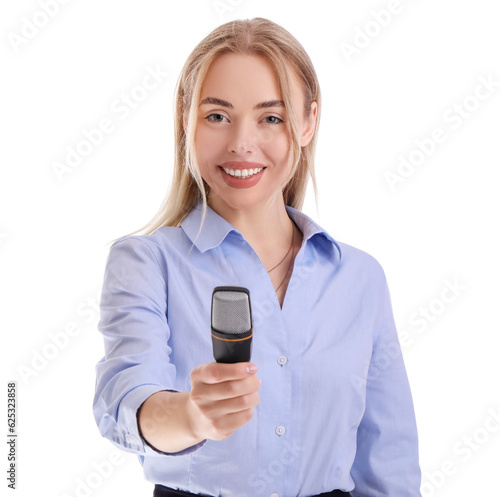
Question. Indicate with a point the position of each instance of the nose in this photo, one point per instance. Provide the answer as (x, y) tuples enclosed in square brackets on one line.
[(243, 138)]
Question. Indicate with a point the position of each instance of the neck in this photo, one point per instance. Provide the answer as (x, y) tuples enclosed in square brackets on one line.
[(266, 227)]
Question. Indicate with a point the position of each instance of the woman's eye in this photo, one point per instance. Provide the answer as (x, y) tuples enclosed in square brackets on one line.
[(208, 118), (278, 120)]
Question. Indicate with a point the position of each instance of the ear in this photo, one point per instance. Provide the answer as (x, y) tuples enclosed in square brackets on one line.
[(309, 125)]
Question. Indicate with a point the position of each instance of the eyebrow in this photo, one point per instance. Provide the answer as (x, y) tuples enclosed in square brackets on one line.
[(225, 103)]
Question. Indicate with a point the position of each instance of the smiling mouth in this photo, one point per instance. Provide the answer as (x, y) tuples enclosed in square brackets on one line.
[(242, 173)]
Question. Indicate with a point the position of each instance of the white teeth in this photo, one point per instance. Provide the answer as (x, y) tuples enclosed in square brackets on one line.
[(242, 173)]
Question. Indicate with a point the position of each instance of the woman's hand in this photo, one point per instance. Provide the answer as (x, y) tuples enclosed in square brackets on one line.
[(222, 398)]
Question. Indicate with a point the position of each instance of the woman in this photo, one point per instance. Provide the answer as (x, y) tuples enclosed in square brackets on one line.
[(330, 409)]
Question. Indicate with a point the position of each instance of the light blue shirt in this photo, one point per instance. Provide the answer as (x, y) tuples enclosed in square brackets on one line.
[(335, 408)]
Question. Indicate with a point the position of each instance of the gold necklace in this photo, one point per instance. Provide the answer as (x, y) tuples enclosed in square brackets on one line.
[(291, 260), (291, 244)]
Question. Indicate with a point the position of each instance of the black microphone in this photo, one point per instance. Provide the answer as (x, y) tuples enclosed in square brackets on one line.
[(231, 323)]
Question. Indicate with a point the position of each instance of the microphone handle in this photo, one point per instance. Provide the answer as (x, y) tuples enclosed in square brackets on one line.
[(230, 350)]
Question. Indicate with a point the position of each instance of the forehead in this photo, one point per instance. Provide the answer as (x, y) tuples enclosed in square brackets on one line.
[(246, 78)]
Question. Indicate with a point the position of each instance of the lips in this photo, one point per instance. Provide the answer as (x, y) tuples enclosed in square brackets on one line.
[(244, 174)]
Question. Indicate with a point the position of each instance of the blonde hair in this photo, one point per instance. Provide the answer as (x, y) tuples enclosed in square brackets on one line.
[(256, 36)]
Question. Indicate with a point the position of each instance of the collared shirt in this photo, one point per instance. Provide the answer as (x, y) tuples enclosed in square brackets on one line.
[(335, 408)]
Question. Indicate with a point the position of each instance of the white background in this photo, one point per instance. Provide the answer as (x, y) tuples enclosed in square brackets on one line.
[(440, 224)]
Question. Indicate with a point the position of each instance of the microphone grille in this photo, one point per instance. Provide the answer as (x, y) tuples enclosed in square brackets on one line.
[(231, 311)]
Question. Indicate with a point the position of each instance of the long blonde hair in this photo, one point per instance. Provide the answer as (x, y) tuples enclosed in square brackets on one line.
[(256, 36)]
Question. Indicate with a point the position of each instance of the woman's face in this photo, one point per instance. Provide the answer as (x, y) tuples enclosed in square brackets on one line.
[(241, 128)]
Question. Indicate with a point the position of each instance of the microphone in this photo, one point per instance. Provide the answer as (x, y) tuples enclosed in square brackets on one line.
[(231, 323)]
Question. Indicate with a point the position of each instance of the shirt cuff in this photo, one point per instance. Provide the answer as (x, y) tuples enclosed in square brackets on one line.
[(128, 410)]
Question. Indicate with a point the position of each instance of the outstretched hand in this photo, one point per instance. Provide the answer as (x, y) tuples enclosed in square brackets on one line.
[(222, 398)]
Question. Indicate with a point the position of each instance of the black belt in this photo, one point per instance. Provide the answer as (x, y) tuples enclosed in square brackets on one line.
[(161, 491)]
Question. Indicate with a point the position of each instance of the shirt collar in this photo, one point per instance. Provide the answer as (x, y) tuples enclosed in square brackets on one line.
[(215, 228), (309, 228)]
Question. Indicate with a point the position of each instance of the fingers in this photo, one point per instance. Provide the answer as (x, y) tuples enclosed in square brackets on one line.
[(222, 398), (215, 381), (234, 405), (215, 404), (226, 390), (214, 372), (224, 427)]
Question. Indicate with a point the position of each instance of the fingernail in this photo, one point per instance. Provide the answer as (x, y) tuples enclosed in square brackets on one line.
[(252, 369)]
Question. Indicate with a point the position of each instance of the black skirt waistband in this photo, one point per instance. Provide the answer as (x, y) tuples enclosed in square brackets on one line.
[(161, 491)]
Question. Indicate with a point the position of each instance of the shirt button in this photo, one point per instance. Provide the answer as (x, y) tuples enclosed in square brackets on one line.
[(274, 494), (280, 430), (282, 360)]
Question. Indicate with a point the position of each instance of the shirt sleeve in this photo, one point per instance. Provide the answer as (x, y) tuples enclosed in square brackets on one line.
[(136, 364), (386, 462)]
